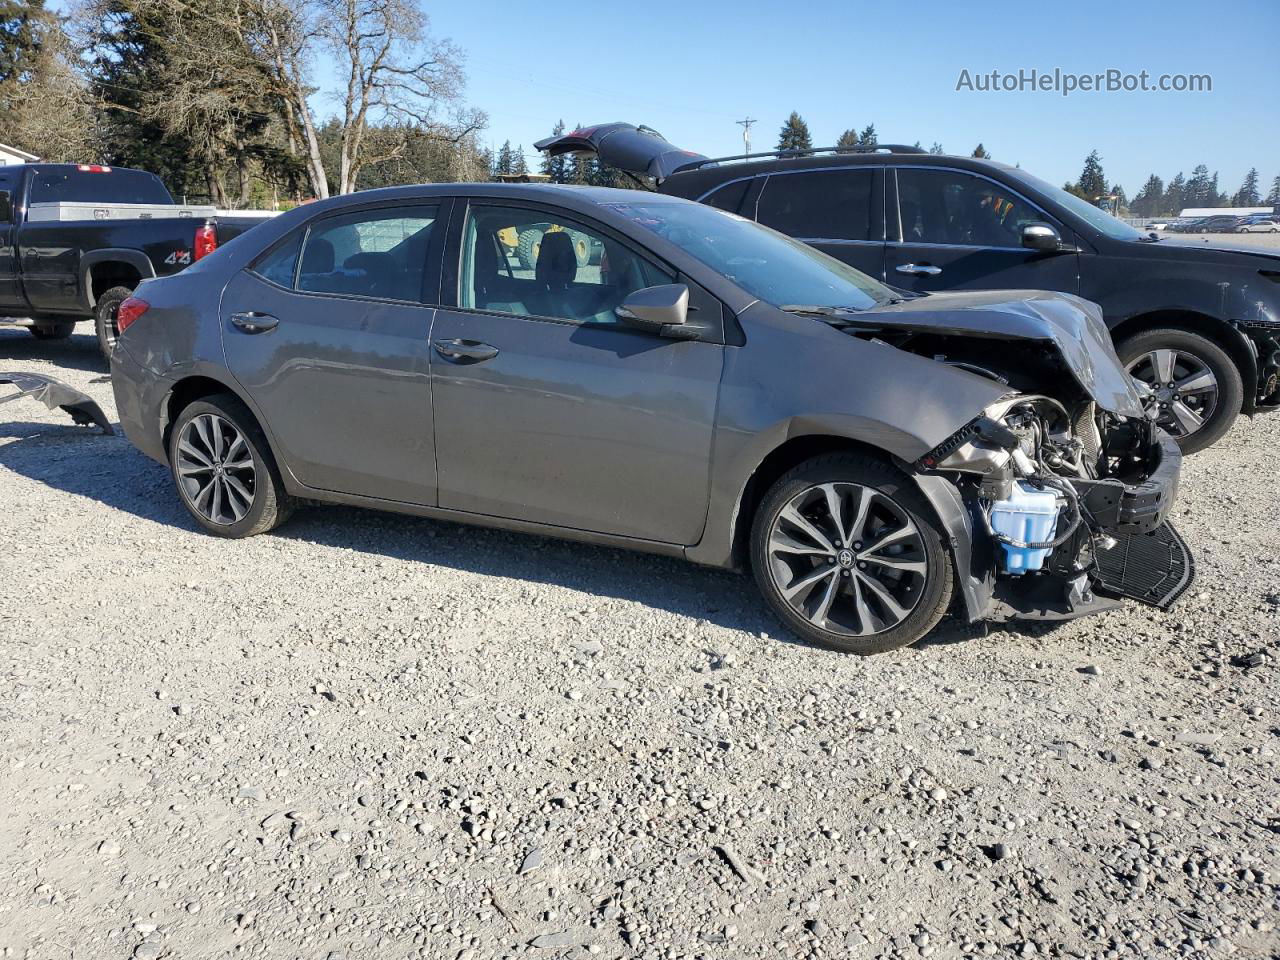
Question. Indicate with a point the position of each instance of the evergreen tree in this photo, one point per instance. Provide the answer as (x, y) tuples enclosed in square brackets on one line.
[(1150, 199), (503, 164), (557, 168), (518, 164), (1247, 195), (937, 148), (848, 141), (867, 138), (1175, 195), (1120, 200), (1198, 191), (794, 135), (21, 24), (980, 153), (1092, 183), (1273, 197)]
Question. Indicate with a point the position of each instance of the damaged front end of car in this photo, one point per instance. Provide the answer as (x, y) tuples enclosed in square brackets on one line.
[(1066, 480)]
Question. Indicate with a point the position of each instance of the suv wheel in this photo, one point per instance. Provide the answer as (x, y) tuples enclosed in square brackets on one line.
[(104, 318), (847, 553), (224, 470), (1195, 384)]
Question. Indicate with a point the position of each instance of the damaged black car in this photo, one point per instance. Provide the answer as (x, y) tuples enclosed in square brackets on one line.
[(655, 374)]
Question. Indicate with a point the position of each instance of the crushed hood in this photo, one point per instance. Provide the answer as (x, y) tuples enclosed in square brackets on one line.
[(1074, 327), (641, 150)]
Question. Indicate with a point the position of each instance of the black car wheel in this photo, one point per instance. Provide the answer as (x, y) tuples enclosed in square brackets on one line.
[(847, 553), (104, 318), (1194, 384), (224, 471)]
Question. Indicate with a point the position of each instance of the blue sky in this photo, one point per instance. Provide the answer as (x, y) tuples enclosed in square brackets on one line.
[(691, 69)]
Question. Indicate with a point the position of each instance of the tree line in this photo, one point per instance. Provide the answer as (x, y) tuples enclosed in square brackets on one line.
[(215, 96)]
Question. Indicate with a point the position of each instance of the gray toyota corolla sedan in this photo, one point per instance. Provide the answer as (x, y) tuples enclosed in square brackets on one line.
[(646, 372)]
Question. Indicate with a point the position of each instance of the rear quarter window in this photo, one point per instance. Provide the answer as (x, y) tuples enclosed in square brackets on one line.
[(819, 204), (66, 185), (729, 197)]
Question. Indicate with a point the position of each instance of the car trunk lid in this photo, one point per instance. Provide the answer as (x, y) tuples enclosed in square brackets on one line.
[(639, 150)]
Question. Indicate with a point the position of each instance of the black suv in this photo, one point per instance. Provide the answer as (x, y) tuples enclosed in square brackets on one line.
[(1199, 325)]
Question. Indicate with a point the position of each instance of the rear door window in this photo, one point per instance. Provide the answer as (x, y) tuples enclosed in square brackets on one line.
[(729, 197), (380, 254), (69, 185), (820, 204)]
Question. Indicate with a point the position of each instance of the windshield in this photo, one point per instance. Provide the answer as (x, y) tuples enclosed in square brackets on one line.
[(1096, 217), (766, 264)]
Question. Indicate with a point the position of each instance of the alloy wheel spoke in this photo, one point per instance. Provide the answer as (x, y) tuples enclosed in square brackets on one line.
[(188, 449), (1162, 364), (784, 543), (1197, 382), (819, 615), (836, 508), (1187, 418), (900, 563), (865, 622), (897, 610), (203, 432), (204, 495), (892, 537), (238, 496), (792, 590), (796, 519)]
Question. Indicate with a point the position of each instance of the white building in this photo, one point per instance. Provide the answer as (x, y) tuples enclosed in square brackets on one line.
[(1222, 211), (14, 155)]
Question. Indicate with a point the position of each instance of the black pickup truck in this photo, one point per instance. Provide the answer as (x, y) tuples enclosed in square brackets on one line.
[(75, 239)]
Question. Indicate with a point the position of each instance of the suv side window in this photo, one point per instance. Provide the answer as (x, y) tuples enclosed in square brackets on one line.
[(371, 253), (819, 204), (519, 261), (951, 207), (729, 197)]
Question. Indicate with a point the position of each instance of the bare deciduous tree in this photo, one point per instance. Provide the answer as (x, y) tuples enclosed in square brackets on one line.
[(395, 71)]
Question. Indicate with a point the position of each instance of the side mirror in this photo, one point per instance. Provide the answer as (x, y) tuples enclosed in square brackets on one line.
[(655, 309), (1042, 237), (6, 206)]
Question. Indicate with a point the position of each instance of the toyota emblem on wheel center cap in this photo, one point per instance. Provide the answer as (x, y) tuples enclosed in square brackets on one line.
[(845, 558)]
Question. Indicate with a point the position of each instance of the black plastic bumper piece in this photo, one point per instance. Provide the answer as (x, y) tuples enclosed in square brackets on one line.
[(1134, 508), (1154, 568), (54, 393)]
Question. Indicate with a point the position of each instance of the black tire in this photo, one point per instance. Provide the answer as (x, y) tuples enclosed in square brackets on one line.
[(527, 245), (53, 331), (932, 594), (271, 505), (1230, 397), (104, 318)]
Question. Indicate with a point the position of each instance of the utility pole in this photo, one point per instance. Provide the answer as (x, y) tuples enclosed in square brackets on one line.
[(746, 134)]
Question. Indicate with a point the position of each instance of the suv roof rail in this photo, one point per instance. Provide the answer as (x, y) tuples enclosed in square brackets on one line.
[(794, 153)]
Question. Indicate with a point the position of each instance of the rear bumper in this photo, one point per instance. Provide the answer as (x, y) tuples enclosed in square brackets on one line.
[(139, 397)]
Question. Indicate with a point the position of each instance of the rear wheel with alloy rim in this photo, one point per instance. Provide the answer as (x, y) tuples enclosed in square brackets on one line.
[(1194, 385), (847, 553), (223, 469)]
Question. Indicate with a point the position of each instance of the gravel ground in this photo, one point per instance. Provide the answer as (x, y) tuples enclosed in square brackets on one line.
[(370, 736)]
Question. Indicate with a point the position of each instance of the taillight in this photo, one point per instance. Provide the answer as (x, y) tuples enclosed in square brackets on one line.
[(130, 311), (206, 241), (93, 168)]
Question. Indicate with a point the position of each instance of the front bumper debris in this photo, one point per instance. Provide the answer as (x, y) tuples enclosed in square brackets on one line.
[(1153, 568), (53, 393), (1134, 508)]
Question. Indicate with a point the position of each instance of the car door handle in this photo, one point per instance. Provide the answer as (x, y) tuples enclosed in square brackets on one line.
[(254, 322), (465, 351), (919, 269)]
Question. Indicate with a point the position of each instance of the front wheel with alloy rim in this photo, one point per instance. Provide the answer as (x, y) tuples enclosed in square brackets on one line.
[(1194, 385), (223, 469), (847, 553), (105, 312)]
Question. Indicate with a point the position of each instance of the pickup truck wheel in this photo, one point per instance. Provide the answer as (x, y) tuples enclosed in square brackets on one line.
[(1195, 384), (104, 318), (847, 552), (53, 331), (224, 470)]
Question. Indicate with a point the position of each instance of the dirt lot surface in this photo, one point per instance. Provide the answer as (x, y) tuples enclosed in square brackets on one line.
[(367, 736)]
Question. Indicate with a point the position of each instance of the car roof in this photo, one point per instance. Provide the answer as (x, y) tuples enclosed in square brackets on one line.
[(693, 181), (562, 194)]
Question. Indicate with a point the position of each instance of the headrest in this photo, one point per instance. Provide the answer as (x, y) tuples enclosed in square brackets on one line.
[(557, 265)]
